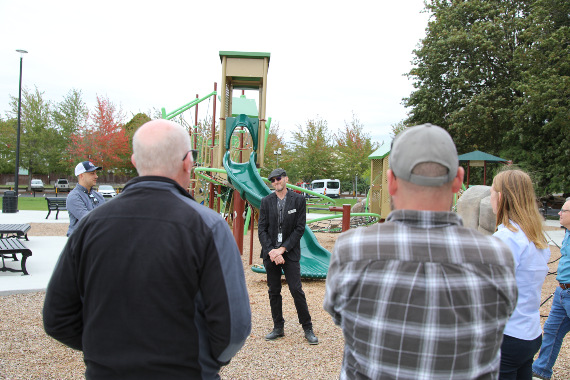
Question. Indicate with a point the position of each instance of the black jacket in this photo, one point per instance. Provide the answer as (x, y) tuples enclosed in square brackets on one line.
[(293, 225), (150, 286)]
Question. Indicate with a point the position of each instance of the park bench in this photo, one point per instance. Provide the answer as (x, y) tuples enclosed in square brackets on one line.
[(9, 247), (14, 230), (56, 204)]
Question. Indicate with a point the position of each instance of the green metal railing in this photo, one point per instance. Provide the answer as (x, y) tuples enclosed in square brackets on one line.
[(185, 107), (340, 216)]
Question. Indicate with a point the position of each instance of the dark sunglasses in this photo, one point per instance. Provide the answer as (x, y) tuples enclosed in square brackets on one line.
[(275, 179), (194, 155)]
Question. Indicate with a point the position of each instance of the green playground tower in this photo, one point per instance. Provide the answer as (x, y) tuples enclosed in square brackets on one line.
[(243, 71)]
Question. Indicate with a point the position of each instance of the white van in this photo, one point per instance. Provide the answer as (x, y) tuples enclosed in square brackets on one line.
[(328, 187)]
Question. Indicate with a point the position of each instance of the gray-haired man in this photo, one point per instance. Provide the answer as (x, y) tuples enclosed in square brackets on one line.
[(151, 285), (420, 296)]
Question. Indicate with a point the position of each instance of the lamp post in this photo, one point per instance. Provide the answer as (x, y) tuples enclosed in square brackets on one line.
[(277, 153), (356, 187), (22, 52)]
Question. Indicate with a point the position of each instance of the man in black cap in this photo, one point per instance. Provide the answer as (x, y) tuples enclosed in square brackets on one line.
[(281, 226), (83, 198)]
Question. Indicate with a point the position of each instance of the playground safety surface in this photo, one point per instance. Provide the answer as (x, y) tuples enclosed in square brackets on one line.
[(28, 353)]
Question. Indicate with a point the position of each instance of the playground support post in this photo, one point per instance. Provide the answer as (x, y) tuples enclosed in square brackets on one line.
[(196, 125), (195, 142), (211, 198), (219, 200), (345, 215), (262, 108), (251, 223), (211, 202), (241, 139), (214, 130), (223, 102), (239, 208)]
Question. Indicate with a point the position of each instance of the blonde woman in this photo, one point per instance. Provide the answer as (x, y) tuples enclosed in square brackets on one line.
[(519, 225)]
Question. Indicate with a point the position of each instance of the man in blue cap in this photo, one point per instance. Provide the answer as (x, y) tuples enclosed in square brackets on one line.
[(83, 198)]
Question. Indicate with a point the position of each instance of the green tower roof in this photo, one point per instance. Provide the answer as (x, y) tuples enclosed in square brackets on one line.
[(245, 54), (381, 152)]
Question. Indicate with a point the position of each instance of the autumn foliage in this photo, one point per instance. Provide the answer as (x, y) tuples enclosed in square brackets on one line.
[(102, 139)]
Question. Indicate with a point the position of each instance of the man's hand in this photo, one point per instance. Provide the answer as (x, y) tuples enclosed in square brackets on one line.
[(276, 253), (279, 260)]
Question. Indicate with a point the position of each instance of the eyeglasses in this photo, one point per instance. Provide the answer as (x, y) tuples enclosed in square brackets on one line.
[(562, 211), (275, 179), (194, 155)]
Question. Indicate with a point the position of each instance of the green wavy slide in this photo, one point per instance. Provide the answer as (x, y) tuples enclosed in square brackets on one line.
[(246, 179)]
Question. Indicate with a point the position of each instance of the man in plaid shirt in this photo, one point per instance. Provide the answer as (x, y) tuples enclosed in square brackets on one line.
[(420, 296)]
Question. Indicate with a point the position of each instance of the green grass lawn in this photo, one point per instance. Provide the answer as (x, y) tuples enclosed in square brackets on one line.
[(338, 201), (37, 204)]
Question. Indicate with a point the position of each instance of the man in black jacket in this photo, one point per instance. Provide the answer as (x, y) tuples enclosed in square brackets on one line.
[(151, 285), (280, 228)]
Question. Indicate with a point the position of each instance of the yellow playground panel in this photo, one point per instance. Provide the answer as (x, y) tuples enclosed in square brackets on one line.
[(379, 201)]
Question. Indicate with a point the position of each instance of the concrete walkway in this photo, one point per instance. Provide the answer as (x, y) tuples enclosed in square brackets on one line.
[(555, 237), (46, 250)]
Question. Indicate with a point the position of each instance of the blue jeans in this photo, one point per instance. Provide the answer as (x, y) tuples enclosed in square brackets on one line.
[(555, 328)]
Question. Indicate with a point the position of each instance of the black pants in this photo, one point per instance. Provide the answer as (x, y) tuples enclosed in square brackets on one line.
[(517, 356), (292, 270)]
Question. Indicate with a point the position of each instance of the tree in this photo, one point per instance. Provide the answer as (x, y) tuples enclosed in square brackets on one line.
[(135, 123), (465, 71), (540, 139), (275, 141), (353, 146), (38, 135), (397, 128), (496, 75), (69, 116), (8, 145), (102, 140), (312, 152)]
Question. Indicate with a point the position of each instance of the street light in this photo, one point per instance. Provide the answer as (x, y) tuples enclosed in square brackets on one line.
[(277, 153), (22, 52), (356, 190)]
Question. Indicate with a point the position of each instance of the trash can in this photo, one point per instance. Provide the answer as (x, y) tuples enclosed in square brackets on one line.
[(9, 202)]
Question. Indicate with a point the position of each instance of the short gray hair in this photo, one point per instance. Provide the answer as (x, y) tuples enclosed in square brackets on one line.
[(162, 153), (428, 169)]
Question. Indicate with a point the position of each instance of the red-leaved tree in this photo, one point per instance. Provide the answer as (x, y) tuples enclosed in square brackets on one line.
[(102, 139)]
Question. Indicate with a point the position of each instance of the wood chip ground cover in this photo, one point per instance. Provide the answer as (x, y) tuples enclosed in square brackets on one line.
[(26, 352)]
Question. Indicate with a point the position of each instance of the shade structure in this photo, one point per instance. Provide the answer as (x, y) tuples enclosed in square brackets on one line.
[(478, 158)]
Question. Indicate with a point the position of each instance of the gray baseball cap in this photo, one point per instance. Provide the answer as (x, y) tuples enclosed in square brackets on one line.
[(419, 144), (277, 173)]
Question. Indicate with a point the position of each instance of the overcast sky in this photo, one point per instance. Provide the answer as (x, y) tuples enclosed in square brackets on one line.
[(326, 60)]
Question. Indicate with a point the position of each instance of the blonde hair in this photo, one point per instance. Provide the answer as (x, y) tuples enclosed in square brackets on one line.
[(517, 202)]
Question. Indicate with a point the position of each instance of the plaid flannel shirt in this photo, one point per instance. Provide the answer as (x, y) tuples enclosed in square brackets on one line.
[(420, 297)]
